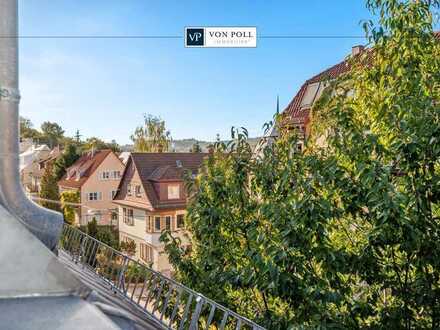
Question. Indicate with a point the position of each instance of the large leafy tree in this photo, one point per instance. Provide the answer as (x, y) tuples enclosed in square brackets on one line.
[(346, 234), (27, 129), (53, 132), (152, 136)]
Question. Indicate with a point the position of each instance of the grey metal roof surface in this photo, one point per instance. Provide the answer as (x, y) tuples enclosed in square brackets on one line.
[(102, 294), (38, 292)]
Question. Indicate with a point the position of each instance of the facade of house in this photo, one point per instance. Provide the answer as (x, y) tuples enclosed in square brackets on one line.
[(96, 176), (151, 198), (30, 170)]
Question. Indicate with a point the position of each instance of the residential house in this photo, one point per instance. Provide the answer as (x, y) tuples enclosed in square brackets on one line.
[(30, 171), (95, 175), (297, 114), (123, 156), (54, 154), (151, 198)]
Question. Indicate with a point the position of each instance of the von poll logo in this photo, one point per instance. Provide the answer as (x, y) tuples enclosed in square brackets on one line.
[(195, 37), (221, 37)]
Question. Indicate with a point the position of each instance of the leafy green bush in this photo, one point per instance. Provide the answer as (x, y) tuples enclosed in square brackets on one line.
[(345, 234)]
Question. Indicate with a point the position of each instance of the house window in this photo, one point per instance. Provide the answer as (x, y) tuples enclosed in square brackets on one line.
[(146, 252), (116, 174), (173, 191), (180, 221), (138, 190), (113, 194), (129, 189), (94, 196), (168, 222), (157, 224), (128, 216), (114, 216), (105, 175), (149, 228)]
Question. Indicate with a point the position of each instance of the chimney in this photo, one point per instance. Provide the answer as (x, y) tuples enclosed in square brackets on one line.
[(355, 50)]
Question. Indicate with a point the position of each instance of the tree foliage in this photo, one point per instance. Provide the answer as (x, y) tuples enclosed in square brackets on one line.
[(67, 198), (27, 129), (128, 247), (196, 147), (152, 136), (53, 133), (95, 143), (68, 157), (347, 233), (49, 188)]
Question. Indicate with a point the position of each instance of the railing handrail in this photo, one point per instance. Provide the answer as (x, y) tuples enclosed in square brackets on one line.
[(198, 297)]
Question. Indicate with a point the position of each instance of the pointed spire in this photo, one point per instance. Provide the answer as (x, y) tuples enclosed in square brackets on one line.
[(278, 104)]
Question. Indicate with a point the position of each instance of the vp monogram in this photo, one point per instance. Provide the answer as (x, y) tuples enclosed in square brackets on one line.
[(195, 37)]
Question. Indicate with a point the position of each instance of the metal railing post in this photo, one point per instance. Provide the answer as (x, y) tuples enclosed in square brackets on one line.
[(187, 305)]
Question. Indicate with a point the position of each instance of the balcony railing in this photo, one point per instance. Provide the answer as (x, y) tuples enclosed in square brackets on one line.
[(172, 304)]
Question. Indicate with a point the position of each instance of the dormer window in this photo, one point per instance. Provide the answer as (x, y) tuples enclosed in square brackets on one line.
[(105, 175), (173, 191)]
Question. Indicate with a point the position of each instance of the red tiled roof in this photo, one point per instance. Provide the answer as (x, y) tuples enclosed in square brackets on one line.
[(160, 167), (294, 114), (86, 165)]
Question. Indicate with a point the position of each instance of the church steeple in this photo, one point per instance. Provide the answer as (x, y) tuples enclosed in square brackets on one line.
[(278, 104)]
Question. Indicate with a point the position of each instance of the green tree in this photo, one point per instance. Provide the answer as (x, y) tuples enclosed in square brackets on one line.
[(152, 136), (345, 234), (27, 129), (52, 132), (95, 143), (67, 158), (128, 247), (92, 228), (49, 189), (68, 198)]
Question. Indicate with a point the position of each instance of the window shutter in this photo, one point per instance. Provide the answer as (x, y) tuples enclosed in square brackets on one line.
[(100, 196)]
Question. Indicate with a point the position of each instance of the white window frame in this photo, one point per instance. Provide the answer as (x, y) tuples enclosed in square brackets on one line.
[(146, 252), (177, 221), (138, 190), (128, 218), (165, 218), (173, 194), (154, 224), (94, 196)]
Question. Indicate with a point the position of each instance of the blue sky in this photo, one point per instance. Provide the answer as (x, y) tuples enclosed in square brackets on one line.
[(103, 86)]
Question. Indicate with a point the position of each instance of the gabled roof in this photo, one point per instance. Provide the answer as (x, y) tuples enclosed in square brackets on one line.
[(162, 167), (77, 174), (294, 114)]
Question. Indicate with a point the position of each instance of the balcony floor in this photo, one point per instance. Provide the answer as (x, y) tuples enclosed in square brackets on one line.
[(122, 307)]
